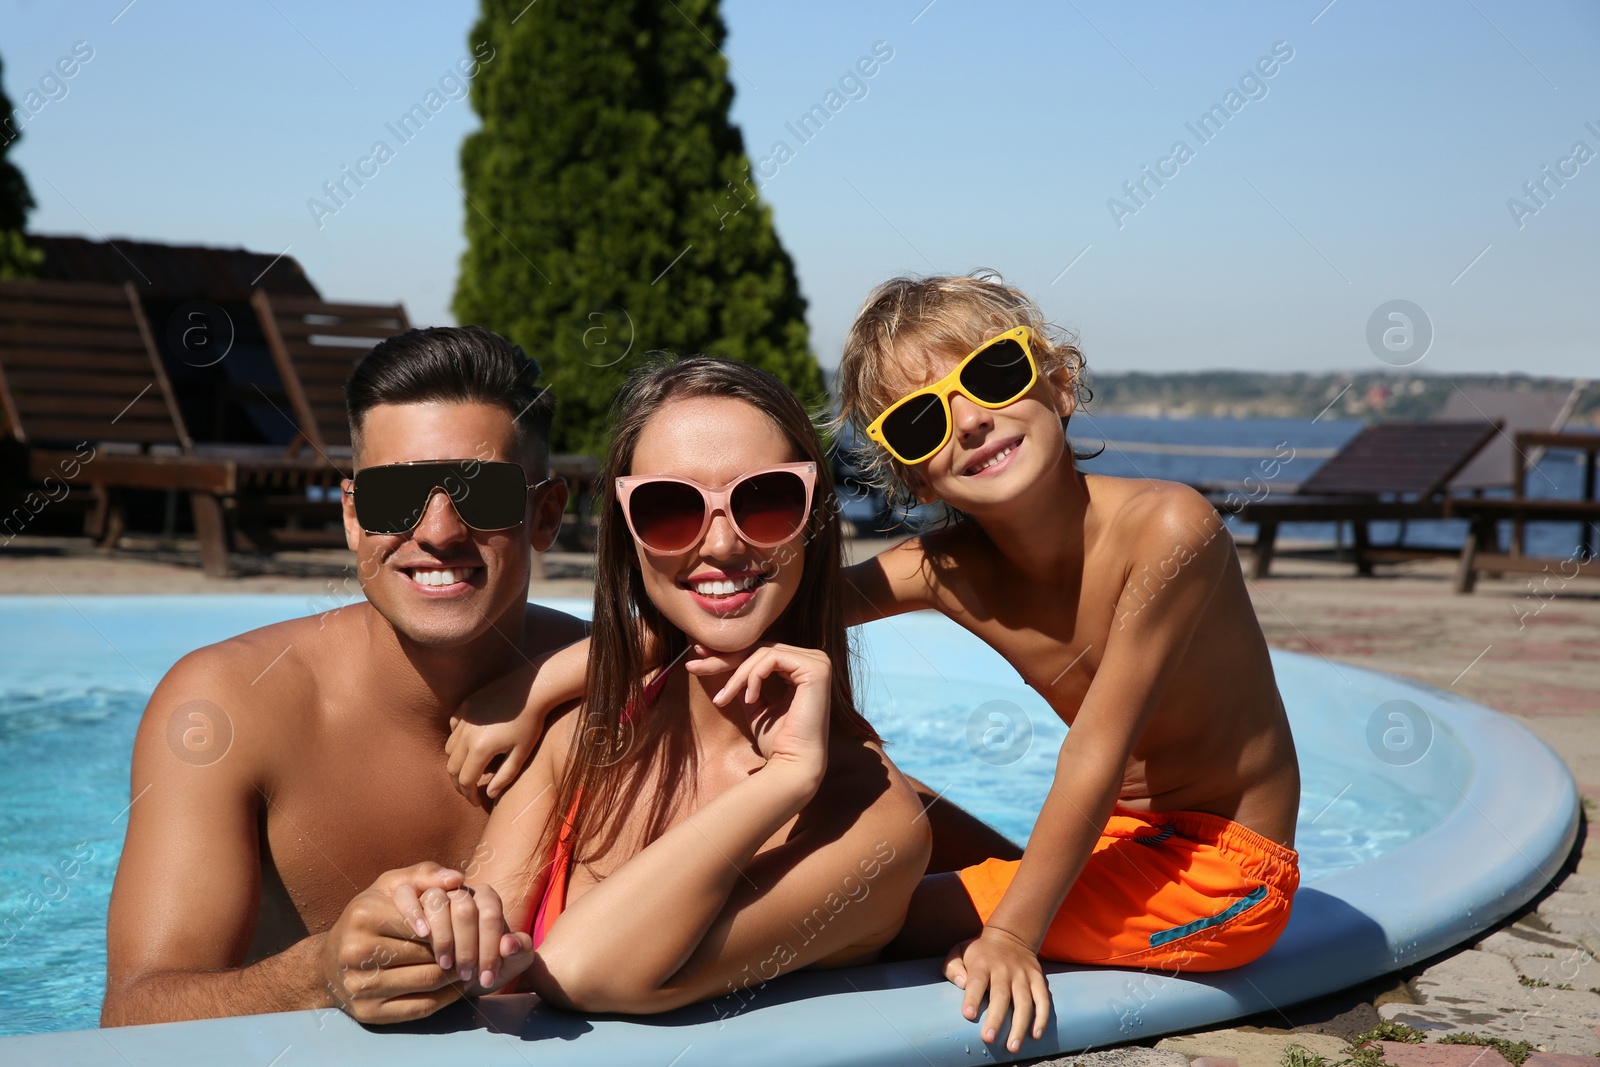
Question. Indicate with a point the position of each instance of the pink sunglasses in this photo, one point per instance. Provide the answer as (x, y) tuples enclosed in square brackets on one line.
[(669, 515)]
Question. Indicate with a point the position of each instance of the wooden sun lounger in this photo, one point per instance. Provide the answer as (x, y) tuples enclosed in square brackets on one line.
[(85, 393), (1481, 552), (316, 345), (1389, 471)]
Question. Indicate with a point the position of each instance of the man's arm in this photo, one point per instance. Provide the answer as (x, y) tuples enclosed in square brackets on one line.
[(188, 887)]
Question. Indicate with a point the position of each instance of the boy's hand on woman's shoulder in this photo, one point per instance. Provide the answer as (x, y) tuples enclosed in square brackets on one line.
[(1000, 964), (499, 720), (504, 720)]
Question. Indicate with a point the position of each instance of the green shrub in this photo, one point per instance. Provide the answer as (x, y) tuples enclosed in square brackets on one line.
[(610, 207)]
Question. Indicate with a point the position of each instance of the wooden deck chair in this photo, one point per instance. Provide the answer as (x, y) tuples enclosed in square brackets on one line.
[(1388, 471), (1500, 465), (86, 395), (1481, 550), (1517, 411), (316, 345)]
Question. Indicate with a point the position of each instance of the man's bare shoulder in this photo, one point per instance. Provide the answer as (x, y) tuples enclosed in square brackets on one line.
[(250, 698), (549, 629), (267, 673)]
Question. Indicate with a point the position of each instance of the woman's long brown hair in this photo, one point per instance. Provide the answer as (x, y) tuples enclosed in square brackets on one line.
[(612, 755)]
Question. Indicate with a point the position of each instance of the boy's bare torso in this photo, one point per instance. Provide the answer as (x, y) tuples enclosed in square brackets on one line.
[(1218, 739), (350, 775)]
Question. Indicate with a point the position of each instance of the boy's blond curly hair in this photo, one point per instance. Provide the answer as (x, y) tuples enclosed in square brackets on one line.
[(912, 322)]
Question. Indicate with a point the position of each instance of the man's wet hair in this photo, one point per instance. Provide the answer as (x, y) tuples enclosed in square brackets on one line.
[(462, 364)]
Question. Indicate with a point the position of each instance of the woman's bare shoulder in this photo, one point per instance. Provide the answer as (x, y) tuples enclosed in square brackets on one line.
[(862, 780)]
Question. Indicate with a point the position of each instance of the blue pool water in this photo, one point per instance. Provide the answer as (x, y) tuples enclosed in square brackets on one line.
[(78, 671)]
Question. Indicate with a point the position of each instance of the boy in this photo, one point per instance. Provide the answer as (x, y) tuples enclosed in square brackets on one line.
[(1167, 837)]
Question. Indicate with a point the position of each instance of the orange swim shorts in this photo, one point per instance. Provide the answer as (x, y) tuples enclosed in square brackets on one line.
[(1177, 890)]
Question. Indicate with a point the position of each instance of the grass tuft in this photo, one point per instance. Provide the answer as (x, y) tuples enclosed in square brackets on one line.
[(1372, 1056), (1389, 1030), (1514, 1051), (1300, 1056)]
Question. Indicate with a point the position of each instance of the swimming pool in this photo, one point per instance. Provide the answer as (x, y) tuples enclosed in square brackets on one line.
[(1389, 770)]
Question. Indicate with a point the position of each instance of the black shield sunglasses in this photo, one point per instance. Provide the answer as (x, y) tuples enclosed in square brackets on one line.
[(488, 495)]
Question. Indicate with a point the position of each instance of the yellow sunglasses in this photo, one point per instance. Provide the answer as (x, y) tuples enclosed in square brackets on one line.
[(998, 372)]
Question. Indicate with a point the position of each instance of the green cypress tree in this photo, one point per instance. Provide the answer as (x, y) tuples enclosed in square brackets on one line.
[(17, 260), (610, 205)]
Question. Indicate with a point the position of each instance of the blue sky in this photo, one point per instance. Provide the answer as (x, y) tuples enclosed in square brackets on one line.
[(1375, 164)]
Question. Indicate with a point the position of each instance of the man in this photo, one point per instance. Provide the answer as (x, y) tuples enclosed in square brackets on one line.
[(278, 774)]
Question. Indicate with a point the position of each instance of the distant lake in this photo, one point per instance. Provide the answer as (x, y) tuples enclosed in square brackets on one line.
[(1557, 475)]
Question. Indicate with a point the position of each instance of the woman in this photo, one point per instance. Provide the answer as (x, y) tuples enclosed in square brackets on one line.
[(696, 833)]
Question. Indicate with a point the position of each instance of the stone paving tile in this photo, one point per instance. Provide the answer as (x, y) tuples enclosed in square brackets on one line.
[(1402, 1054), (1573, 967), (1568, 902), (1479, 991), (1574, 926), (1131, 1056), (1252, 1048), (1576, 1003), (1580, 883), (1484, 981), (1557, 1059), (1472, 977), (1520, 941), (1548, 1033)]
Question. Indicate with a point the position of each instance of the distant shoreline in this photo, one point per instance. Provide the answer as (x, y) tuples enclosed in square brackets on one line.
[(1369, 395)]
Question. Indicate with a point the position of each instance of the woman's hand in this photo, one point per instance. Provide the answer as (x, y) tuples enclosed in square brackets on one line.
[(1009, 970), (789, 712), (376, 969), (467, 931)]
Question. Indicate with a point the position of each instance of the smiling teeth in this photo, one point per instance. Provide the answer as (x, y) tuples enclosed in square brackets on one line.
[(448, 576), (996, 458), (726, 587)]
